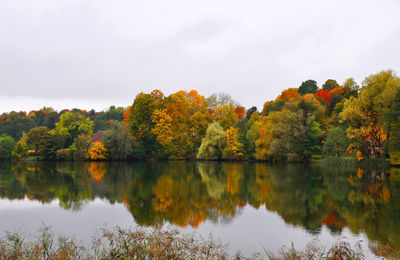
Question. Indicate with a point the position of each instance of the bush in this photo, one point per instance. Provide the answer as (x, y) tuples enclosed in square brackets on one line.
[(66, 154)]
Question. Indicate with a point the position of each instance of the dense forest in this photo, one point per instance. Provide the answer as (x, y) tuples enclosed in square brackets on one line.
[(345, 120)]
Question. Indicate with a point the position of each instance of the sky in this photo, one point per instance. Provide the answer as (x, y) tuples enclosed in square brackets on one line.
[(94, 53)]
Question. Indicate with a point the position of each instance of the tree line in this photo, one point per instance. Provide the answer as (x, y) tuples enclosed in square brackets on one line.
[(334, 119)]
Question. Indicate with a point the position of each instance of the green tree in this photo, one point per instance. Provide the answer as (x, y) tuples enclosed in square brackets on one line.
[(336, 142), (140, 122), (351, 83), (313, 138), (82, 145), (308, 86), (289, 136), (250, 111), (7, 145), (394, 131), (50, 143), (35, 135), (118, 141), (73, 124), (330, 84), (14, 123), (368, 115), (213, 143)]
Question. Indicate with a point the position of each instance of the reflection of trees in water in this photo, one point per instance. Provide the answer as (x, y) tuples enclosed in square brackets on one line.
[(369, 202), (188, 193)]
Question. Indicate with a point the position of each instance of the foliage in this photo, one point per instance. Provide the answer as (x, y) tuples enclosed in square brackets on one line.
[(21, 149), (118, 141), (226, 115), (289, 94), (325, 95), (351, 83), (263, 128), (250, 111), (367, 114), (234, 149), (393, 116), (181, 125), (7, 145), (330, 84), (97, 151), (35, 135), (14, 123), (140, 120), (50, 143), (240, 112), (82, 145), (307, 87), (66, 154), (213, 143), (336, 142), (73, 124), (271, 106)]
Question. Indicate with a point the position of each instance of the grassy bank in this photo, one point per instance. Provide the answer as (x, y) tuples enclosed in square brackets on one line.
[(162, 244)]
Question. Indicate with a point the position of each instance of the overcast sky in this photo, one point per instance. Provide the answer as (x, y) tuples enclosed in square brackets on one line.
[(100, 53)]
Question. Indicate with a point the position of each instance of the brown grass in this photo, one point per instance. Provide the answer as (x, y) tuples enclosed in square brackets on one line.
[(140, 243)]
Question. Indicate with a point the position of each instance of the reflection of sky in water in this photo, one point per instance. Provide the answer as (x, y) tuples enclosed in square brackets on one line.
[(249, 231)]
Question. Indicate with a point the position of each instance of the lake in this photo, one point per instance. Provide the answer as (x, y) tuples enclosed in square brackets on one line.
[(250, 205)]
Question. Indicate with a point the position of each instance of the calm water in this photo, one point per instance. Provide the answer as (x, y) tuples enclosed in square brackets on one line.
[(249, 205)]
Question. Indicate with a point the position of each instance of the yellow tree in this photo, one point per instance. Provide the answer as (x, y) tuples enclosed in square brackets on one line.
[(180, 127), (234, 149), (97, 151), (226, 115), (162, 127), (367, 114)]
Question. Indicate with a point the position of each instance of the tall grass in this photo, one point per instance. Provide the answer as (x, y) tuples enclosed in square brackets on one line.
[(140, 243)]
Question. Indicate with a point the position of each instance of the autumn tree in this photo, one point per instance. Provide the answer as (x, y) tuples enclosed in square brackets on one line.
[(226, 115), (264, 128), (234, 149), (366, 113), (240, 112), (289, 94), (97, 151), (21, 149), (182, 124)]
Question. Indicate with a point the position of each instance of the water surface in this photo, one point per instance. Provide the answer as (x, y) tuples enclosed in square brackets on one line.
[(249, 205)]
